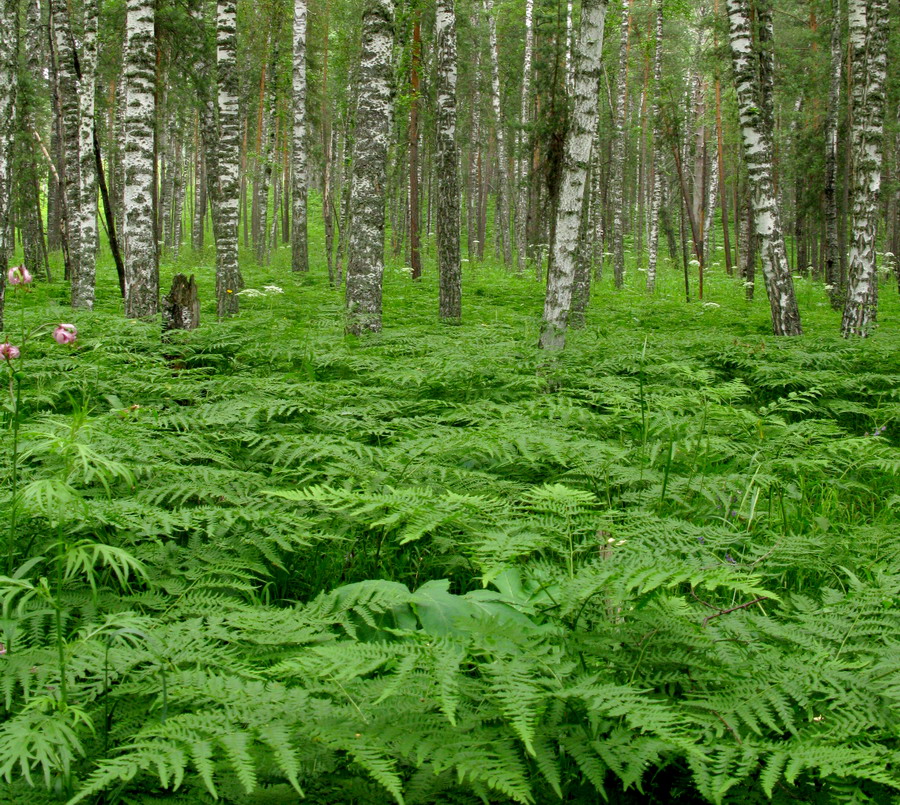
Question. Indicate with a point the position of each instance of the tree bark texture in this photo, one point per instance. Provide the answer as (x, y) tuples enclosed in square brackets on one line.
[(756, 133), (141, 260), (228, 277), (365, 264), (868, 40), (582, 128), (299, 249), (448, 204)]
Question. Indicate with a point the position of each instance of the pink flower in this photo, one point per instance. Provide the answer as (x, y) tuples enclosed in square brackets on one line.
[(9, 352), (65, 333), (19, 275)]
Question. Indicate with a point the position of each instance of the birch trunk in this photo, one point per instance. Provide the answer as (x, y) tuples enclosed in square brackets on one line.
[(582, 129), (35, 251), (501, 217), (68, 114), (522, 195), (618, 155), (656, 192), (299, 248), (868, 41), (365, 264), (8, 81), (448, 212), (228, 277), (832, 244), (84, 275), (756, 134), (141, 266)]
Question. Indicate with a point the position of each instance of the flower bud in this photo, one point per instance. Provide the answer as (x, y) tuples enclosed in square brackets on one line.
[(9, 351), (65, 334)]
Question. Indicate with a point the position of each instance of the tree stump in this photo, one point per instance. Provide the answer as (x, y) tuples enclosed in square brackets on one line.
[(181, 308)]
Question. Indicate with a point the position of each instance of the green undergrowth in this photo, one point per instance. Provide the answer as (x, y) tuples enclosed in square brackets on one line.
[(263, 562)]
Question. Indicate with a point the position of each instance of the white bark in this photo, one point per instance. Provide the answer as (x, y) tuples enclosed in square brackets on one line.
[(868, 41), (141, 267), (448, 213), (299, 251), (365, 265), (522, 196), (83, 278), (756, 133), (501, 217), (656, 192), (581, 133), (8, 81), (618, 153), (228, 277)]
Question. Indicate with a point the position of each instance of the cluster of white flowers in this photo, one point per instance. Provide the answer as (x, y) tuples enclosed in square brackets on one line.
[(255, 293)]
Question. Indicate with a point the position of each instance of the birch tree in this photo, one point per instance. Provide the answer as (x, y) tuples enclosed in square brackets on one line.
[(8, 75), (832, 244), (84, 271), (67, 110), (522, 195), (501, 217), (141, 260), (754, 109), (868, 43), (365, 265), (448, 204), (655, 172), (618, 154), (582, 128), (299, 250), (228, 277)]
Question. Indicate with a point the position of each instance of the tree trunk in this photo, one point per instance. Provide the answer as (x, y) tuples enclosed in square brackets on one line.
[(365, 264), (9, 40), (756, 133), (582, 129), (501, 215), (655, 167), (448, 213), (141, 266), (68, 112), (619, 145), (299, 249), (523, 145), (868, 39), (415, 259), (181, 308), (228, 276)]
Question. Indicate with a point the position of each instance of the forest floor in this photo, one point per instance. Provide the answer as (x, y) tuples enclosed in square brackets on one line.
[(437, 565)]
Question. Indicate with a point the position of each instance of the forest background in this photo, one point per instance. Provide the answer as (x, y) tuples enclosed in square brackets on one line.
[(370, 533)]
